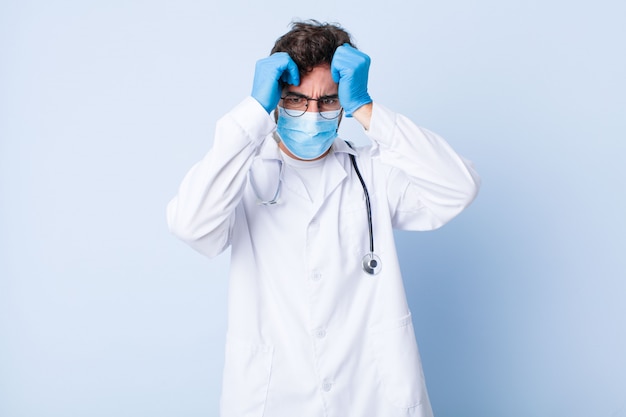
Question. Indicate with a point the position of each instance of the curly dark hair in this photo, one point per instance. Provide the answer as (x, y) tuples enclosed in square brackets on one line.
[(311, 43)]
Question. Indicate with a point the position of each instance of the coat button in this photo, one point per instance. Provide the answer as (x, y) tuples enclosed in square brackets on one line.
[(327, 386), (320, 333), (316, 276)]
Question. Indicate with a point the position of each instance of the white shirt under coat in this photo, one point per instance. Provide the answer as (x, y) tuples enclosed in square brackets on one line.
[(310, 334)]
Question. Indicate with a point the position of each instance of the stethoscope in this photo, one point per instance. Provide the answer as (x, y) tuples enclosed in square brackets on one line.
[(371, 262)]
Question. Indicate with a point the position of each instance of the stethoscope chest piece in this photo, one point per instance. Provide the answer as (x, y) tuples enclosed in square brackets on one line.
[(371, 263)]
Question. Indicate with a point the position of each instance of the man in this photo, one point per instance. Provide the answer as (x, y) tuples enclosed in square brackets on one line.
[(315, 328)]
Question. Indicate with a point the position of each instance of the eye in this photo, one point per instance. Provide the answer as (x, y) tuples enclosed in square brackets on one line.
[(329, 101), (294, 100)]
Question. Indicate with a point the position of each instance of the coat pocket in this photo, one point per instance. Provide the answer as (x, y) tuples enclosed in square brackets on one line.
[(247, 370), (398, 363)]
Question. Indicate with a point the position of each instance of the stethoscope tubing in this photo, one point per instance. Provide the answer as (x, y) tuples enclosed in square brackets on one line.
[(368, 205), (371, 262)]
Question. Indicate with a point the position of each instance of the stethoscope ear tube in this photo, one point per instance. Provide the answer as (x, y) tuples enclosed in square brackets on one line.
[(274, 199)]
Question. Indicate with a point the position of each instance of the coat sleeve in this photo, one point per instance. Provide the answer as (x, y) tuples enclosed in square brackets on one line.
[(427, 182), (203, 211)]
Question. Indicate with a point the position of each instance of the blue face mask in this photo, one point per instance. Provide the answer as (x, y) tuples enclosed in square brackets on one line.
[(307, 136)]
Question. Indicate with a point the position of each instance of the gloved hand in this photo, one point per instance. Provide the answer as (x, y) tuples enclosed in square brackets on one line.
[(268, 71), (350, 68)]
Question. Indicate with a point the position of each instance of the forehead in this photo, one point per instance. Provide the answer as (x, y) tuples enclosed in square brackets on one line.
[(318, 82)]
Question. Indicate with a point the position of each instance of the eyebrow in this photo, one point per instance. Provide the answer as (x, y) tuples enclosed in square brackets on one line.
[(293, 93)]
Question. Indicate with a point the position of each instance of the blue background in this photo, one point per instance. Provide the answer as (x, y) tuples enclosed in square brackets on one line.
[(519, 304)]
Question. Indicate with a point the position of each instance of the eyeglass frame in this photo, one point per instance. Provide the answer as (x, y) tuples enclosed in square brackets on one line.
[(306, 106)]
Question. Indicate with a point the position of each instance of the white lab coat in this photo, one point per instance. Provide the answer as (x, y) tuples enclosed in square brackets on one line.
[(310, 334)]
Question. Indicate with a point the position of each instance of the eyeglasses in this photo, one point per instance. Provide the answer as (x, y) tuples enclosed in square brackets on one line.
[(295, 105)]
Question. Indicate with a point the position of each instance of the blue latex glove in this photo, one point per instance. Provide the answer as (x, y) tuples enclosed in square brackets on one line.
[(268, 72), (350, 68)]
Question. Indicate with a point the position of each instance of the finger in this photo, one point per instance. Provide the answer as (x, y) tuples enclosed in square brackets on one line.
[(291, 74), (285, 68), (338, 63)]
